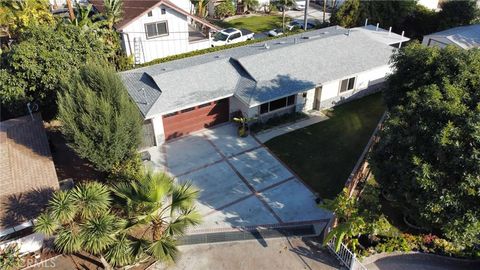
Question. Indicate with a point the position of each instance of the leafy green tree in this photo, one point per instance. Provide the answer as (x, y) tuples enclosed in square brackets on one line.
[(81, 220), (159, 207), (387, 13), (40, 60), (99, 119), (347, 15), (457, 13), (18, 15), (251, 4), (428, 156), (225, 9)]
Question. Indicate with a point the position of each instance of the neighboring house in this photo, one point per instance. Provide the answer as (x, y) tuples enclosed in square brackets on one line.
[(302, 72), (156, 29), (27, 179), (240, 7), (430, 4), (465, 37)]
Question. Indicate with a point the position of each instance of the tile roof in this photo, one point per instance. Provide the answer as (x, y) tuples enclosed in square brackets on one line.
[(466, 37), (257, 73), (27, 172)]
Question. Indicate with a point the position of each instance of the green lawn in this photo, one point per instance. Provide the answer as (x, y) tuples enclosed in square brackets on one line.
[(255, 24), (324, 154)]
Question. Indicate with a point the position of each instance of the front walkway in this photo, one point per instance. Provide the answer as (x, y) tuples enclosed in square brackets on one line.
[(242, 184), (313, 118)]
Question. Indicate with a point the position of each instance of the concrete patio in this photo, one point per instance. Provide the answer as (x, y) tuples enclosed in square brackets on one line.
[(242, 184)]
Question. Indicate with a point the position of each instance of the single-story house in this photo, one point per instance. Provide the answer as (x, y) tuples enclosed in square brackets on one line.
[(302, 72), (159, 28), (27, 180), (465, 37)]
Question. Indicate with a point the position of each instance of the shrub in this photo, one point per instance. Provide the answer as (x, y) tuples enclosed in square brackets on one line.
[(277, 121), (394, 244), (225, 9), (10, 257)]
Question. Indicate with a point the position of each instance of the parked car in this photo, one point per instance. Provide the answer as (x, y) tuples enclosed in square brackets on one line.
[(275, 32), (297, 24), (299, 5), (230, 36)]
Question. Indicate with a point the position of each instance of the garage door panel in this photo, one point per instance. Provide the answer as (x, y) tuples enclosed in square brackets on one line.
[(193, 119)]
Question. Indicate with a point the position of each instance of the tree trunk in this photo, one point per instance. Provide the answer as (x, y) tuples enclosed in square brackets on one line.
[(157, 230), (106, 265), (70, 10)]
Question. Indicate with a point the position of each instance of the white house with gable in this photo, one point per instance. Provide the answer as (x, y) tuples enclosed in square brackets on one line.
[(156, 29)]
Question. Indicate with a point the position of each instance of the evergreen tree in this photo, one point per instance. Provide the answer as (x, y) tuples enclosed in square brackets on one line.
[(100, 121)]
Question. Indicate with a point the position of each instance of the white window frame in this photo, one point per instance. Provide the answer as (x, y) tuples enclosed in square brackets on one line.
[(156, 26), (348, 81)]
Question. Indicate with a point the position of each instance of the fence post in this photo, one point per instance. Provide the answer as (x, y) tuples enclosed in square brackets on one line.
[(352, 262)]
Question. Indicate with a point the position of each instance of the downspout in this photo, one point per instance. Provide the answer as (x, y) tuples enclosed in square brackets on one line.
[(128, 41)]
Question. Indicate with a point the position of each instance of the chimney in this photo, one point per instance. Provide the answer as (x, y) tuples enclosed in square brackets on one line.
[(390, 31), (378, 24)]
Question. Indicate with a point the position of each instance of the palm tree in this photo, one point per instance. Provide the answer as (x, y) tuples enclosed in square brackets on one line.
[(161, 209), (82, 221), (113, 11), (201, 7)]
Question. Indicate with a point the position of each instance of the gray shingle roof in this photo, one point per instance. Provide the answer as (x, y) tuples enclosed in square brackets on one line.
[(466, 37), (254, 73)]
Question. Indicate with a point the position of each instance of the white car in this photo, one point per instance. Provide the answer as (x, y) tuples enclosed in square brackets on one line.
[(299, 5), (275, 32), (230, 36)]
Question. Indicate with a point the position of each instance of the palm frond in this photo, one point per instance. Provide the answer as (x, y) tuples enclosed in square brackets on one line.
[(189, 217), (61, 207), (46, 224), (98, 233), (183, 196), (68, 240), (164, 249), (91, 199), (121, 252)]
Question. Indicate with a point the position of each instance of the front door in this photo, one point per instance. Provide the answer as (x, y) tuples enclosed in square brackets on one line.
[(318, 96)]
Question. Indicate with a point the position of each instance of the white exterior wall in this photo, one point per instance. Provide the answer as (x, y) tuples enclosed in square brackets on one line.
[(27, 244), (308, 101), (436, 41), (176, 42)]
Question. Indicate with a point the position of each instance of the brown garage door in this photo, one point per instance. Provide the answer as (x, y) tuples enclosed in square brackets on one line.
[(183, 122)]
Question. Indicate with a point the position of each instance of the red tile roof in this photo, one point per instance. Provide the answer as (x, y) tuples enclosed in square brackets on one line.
[(27, 172), (133, 9)]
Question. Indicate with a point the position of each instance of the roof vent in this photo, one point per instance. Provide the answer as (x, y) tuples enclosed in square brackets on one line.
[(324, 33), (218, 56), (144, 93), (281, 42), (266, 46)]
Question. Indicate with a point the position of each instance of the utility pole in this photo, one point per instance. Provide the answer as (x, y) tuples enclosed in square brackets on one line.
[(305, 19), (70, 10)]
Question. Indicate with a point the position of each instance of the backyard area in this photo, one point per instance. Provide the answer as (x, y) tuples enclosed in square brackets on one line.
[(324, 154), (255, 23)]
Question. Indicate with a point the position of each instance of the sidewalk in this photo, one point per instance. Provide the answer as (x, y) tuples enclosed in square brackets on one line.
[(313, 118)]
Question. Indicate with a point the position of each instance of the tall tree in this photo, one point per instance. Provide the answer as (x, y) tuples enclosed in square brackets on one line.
[(428, 156), (18, 15), (285, 4), (161, 208), (347, 15), (99, 119), (457, 13)]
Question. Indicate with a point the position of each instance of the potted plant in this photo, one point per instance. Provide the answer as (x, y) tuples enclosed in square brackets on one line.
[(243, 128)]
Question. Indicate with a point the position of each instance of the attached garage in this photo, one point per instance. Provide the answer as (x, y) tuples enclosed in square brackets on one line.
[(188, 120)]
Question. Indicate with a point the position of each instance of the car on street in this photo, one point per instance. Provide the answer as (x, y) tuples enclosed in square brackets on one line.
[(230, 36), (298, 24), (275, 32), (299, 5)]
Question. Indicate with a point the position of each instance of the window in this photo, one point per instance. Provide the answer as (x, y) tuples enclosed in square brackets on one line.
[(187, 110), (204, 105), (277, 104), (156, 29), (170, 114), (347, 84), (234, 36), (163, 11), (150, 14)]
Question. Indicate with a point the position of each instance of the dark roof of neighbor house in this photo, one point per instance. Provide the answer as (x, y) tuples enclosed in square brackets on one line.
[(259, 72), (132, 9), (466, 37), (27, 172)]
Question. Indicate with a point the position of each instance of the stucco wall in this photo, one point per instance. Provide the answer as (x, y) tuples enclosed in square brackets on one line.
[(27, 244), (158, 129)]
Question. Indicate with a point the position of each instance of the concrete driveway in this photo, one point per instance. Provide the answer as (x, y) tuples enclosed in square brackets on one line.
[(242, 184)]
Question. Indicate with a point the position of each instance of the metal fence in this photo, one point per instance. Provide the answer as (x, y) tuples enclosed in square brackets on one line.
[(345, 256)]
